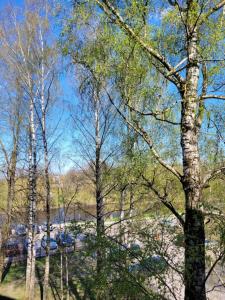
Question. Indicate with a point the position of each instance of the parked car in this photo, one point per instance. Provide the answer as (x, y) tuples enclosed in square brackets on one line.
[(21, 229), (37, 247), (11, 248), (37, 228), (179, 240), (44, 227), (152, 265), (155, 263), (65, 239), (53, 244), (168, 222), (81, 237), (210, 243), (118, 252), (135, 249)]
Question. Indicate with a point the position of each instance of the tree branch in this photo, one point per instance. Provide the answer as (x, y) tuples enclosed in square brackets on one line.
[(205, 97), (213, 10), (175, 3), (114, 15), (164, 200), (213, 174), (147, 139), (153, 114), (4, 152), (214, 264), (201, 108)]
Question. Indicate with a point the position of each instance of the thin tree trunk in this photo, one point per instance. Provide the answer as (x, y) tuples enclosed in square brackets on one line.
[(46, 276), (11, 175), (47, 191), (98, 186), (122, 201), (194, 223), (30, 270), (47, 184), (67, 277), (131, 209), (10, 198), (61, 273), (42, 120)]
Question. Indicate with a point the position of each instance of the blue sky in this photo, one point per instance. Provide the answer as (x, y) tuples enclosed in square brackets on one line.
[(65, 143), (12, 2)]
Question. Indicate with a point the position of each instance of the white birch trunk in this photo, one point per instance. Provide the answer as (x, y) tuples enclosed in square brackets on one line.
[(46, 170), (194, 231), (30, 270)]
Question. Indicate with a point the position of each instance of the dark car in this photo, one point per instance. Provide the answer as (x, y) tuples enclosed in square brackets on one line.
[(53, 244), (21, 230), (135, 250), (118, 252), (11, 248), (81, 237), (155, 263), (65, 239), (151, 265), (37, 247), (37, 228)]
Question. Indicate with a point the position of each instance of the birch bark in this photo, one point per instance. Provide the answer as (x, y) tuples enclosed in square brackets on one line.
[(194, 231), (30, 269), (44, 105), (98, 183)]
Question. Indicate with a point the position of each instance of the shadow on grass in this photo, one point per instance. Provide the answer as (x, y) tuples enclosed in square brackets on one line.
[(6, 270), (54, 289), (6, 298), (40, 279)]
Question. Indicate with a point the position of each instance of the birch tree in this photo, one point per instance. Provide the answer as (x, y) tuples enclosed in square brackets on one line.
[(187, 57), (29, 55), (12, 119), (95, 126), (18, 48), (47, 74)]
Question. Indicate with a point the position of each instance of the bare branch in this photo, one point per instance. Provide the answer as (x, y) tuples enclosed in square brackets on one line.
[(153, 114), (164, 200), (175, 3), (201, 108), (213, 97), (214, 264), (4, 152), (213, 175)]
